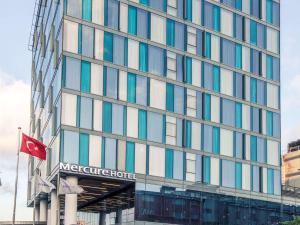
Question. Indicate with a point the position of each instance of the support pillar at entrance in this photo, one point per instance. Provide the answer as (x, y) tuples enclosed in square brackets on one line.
[(43, 210), (102, 219), (71, 204), (54, 208)]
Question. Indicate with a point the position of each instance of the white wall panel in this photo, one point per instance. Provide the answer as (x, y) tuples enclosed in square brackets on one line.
[(246, 117), (98, 12), (123, 17), (122, 85), (70, 41), (156, 161), (272, 96), (69, 108), (226, 142), (273, 153), (246, 177), (121, 155), (196, 135), (265, 180), (214, 171), (272, 40), (97, 120), (95, 150), (215, 109), (247, 146), (158, 29), (140, 158), (132, 122), (96, 79), (196, 72), (215, 48), (157, 94), (226, 82), (227, 22), (246, 58), (196, 12), (133, 54), (99, 40)]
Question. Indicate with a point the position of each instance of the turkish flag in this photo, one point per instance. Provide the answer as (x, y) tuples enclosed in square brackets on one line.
[(33, 147)]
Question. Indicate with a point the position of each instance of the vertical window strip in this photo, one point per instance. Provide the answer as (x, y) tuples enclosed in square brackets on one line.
[(253, 32), (207, 107), (169, 157), (269, 73), (269, 8), (216, 78), (269, 123), (85, 85), (143, 60), (207, 49), (79, 38), (270, 181), (216, 18), (238, 56), (206, 169), (170, 33), (108, 47), (188, 134), (84, 149), (238, 115), (107, 117), (253, 148), (132, 20), (170, 97), (130, 157), (87, 10), (238, 175), (188, 10), (188, 70), (216, 140), (253, 88), (131, 88), (142, 124)]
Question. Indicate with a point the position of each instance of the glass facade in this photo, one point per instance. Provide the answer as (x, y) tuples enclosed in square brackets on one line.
[(198, 103)]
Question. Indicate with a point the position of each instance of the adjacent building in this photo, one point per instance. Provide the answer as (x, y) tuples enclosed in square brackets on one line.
[(163, 111), (291, 165)]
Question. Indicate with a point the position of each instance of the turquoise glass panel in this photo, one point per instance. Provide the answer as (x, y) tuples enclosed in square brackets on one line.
[(79, 39), (132, 20), (87, 10), (206, 169), (142, 127), (188, 70), (208, 45), (170, 33), (144, 2), (238, 115), (269, 8), (107, 117), (130, 149), (78, 107), (108, 47), (131, 88), (85, 85), (270, 181), (239, 4), (170, 97), (269, 123), (169, 157), (189, 10), (253, 148), (216, 140), (207, 107), (238, 175), (84, 149), (216, 78), (143, 62), (216, 16), (253, 32), (253, 90), (238, 56), (188, 134)]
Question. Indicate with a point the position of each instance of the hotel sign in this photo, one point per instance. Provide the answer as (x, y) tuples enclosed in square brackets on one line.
[(96, 171)]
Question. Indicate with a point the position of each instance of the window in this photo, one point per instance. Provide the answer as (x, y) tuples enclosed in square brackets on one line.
[(228, 112), (84, 149), (187, 134), (253, 32), (206, 106), (239, 85), (228, 174), (253, 148), (272, 12), (131, 88), (256, 120), (107, 117), (86, 41), (117, 119), (111, 17), (272, 68), (115, 49), (86, 112), (216, 140), (159, 5), (239, 145), (211, 77), (108, 47), (255, 61), (239, 27), (238, 175), (132, 20), (156, 60), (238, 115), (70, 143), (256, 178), (143, 60), (270, 181), (74, 8), (228, 53), (130, 156), (155, 127), (261, 150), (169, 163), (109, 153), (276, 125), (253, 90), (188, 10), (212, 16), (207, 46), (188, 70), (207, 138), (238, 56), (255, 8), (110, 80), (142, 124), (71, 73), (175, 98), (175, 34), (142, 23), (85, 76), (261, 90), (206, 169)]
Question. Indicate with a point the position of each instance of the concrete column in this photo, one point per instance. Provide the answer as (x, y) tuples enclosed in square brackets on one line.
[(54, 208), (71, 204), (102, 218), (119, 216), (37, 213), (43, 210)]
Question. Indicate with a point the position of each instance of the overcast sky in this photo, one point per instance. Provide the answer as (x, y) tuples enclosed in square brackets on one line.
[(15, 66)]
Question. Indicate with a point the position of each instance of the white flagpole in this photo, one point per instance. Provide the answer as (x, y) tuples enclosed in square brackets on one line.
[(16, 181), (34, 197)]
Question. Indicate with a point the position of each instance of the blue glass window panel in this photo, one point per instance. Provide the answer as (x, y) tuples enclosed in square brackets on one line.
[(141, 90), (206, 169), (119, 50), (238, 56), (84, 149), (86, 112), (74, 8), (255, 8), (216, 140), (269, 123), (254, 61), (70, 147), (228, 173), (255, 175), (110, 154), (170, 97), (156, 60), (269, 9), (239, 145), (180, 7), (108, 47), (179, 135), (178, 165), (88, 41), (261, 92), (207, 138), (131, 88), (207, 106), (170, 32), (179, 67), (208, 76), (179, 35), (277, 182), (111, 78), (72, 73), (261, 150), (188, 70), (239, 85), (179, 99), (154, 127), (253, 148), (198, 174), (199, 43), (188, 134), (230, 3), (199, 105), (87, 10), (111, 18), (142, 23), (253, 90), (143, 61), (107, 117), (239, 28), (79, 38), (158, 4), (169, 157), (255, 119), (132, 20), (216, 18), (208, 15), (117, 119), (144, 2), (228, 52), (228, 112), (276, 125), (276, 69), (239, 4), (238, 175), (261, 33), (238, 115), (207, 49), (142, 127), (253, 32), (276, 14), (188, 10), (130, 155), (270, 181), (85, 76), (269, 72)]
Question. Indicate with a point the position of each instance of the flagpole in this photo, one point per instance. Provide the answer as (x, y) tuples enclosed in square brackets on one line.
[(16, 181), (34, 197)]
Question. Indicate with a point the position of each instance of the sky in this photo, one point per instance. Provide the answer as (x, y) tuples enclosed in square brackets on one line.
[(15, 72)]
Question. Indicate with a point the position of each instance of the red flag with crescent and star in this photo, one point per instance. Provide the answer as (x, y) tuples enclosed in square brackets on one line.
[(33, 147)]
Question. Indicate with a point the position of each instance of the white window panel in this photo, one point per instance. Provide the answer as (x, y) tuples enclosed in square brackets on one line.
[(246, 6), (121, 155), (98, 12), (272, 40), (214, 171), (97, 120), (133, 54), (171, 65), (247, 30), (226, 22), (190, 177), (226, 145), (215, 48), (263, 64), (122, 85), (68, 111), (264, 122), (196, 72), (226, 82), (170, 130), (247, 88), (157, 94), (140, 158), (156, 161), (190, 166), (273, 152), (246, 117), (99, 38), (196, 135), (246, 177), (215, 109), (132, 122), (70, 41), (158, 29), (95, 144), (265, 180), (246, 58), (196, 12), (123, 17), (247, 147), (96, 79), (272, 96), (171, 11)]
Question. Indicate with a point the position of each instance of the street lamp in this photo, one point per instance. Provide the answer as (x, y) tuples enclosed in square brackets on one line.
[(0, 181)]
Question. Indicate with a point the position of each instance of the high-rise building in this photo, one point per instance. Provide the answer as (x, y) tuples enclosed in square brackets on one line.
[(163, 111)]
